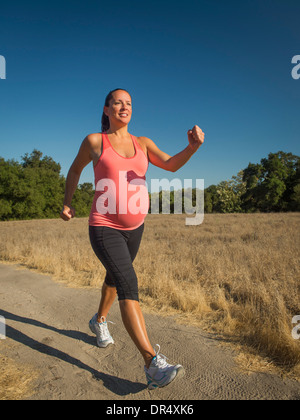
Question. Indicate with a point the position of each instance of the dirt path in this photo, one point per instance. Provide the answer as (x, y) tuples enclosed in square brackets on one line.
[(47, 328)]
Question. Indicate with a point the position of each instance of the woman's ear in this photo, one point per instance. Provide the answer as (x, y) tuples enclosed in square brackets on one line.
[(105, 110)]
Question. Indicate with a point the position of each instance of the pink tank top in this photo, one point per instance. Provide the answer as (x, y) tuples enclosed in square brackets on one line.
[(121, 198)]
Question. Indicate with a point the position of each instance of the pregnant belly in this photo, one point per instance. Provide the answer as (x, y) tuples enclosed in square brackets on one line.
[(123, 209)]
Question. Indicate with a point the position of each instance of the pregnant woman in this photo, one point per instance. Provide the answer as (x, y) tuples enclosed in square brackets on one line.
[(116, 221)]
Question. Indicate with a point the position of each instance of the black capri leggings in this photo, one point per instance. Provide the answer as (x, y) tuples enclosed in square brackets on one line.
[(117, 249)]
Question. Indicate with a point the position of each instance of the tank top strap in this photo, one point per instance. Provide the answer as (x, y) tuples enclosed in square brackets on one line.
[(136, 143), (137, 146), (105, 142)]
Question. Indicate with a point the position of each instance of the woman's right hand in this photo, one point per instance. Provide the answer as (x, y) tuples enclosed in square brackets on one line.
[(67, 213)]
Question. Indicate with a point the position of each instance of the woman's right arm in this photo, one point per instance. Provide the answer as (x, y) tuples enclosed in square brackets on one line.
[(82, 159)]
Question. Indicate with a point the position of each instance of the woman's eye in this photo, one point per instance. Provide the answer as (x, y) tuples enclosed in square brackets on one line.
[(119, 103)]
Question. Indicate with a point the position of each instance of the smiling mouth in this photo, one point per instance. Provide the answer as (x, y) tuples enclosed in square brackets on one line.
[(123, 115)]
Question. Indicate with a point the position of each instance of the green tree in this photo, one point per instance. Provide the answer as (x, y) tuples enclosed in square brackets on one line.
[(83, 199), (211, 199), (295, 198), (270, 184), (34, 160), (229, 194), (252, 176), (31, 189), (9, 177), (44, 186)]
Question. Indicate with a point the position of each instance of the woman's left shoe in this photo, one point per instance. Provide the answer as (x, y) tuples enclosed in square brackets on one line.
[(160, 373), (101, 330)]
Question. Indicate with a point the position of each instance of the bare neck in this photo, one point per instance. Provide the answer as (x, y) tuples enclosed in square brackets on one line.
[(118, 131)]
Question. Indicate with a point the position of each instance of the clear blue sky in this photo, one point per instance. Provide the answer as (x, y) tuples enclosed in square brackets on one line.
[(224, 65)]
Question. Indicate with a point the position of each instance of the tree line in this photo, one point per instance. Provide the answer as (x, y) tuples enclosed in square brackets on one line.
[(273, 185), (34, 188)]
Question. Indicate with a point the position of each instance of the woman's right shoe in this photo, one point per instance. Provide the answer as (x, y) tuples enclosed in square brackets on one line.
[(101, 330), (160, 373)]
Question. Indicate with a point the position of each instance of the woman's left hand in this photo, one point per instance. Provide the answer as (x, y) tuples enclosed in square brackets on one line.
[(196, 138)]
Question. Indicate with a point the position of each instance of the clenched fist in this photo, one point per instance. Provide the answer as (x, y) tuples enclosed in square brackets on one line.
[(67, 213), (196, 138)]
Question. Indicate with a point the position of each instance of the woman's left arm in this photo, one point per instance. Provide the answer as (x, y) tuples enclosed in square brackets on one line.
[(173, 163)]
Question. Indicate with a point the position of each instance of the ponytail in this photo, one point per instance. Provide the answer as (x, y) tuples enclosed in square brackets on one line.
[(104, 123)]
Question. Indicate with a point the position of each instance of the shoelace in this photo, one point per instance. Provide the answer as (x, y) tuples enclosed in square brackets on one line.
[(103, 321), (161, 358), (104, 333)]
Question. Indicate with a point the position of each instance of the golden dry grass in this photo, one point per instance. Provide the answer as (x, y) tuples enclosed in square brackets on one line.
[(237, 275), (15, 379)]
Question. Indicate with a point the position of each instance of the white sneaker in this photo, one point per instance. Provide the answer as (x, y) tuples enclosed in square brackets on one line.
[(101, 330), (161, 373)]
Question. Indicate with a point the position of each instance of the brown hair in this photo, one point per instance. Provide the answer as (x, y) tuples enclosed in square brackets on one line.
[(105, 120)]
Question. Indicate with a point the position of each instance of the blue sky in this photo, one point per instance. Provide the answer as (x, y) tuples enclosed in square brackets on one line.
[(224, 65)]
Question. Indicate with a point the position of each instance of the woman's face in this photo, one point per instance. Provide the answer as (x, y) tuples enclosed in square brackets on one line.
[(120, 108)]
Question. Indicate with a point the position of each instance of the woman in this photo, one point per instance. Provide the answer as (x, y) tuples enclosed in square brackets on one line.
[(116, 223)]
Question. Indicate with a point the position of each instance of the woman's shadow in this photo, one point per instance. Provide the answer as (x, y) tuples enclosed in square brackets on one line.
[(114, 384)]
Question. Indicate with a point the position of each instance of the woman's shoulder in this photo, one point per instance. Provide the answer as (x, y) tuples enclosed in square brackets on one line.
[(143, 140), (94, 139), (93, 142), (146, 143)]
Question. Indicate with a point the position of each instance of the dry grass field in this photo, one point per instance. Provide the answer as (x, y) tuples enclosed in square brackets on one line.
[(15, 380), (236, 275)]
